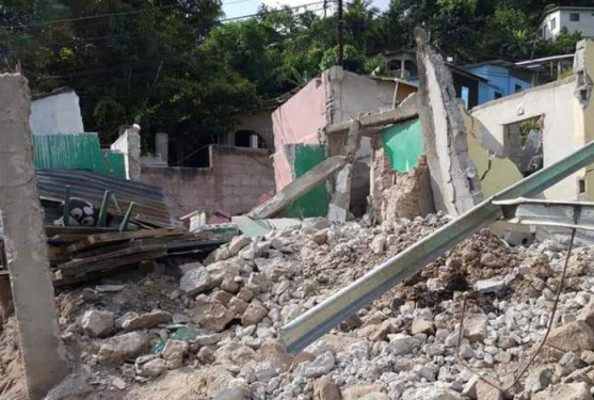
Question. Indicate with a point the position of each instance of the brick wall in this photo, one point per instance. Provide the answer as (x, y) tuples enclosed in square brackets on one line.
[(236, 178)]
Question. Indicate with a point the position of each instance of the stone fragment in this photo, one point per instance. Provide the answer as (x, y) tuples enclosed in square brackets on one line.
[(97, 323), (484, 391), (492, 285), (430, 393), (265, 371), (213, 316), (254, 313), (376, 396), (173, 353), (196, 281), (152, 368), (323, 364), (503, 357), (238, 243), (206, 355), (491, 260), (73, 387), (421, 325), (245, 294), (274, 351), (118, 349), (300, 358), (378, 244), (326, 389), (403, 344), (360, 391), (237, 306), (538, 379), (221, 296), (587, 314), (147, 321), (570, 391), (320, 237), (575, 336), (475, 328), (588, 357)]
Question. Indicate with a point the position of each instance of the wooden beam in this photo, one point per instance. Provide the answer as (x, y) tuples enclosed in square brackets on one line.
[(399, 114), (105, 238), (299, 187)]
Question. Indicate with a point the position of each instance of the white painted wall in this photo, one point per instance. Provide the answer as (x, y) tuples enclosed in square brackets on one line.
[(585, 25), (55, 114), (561, 134)]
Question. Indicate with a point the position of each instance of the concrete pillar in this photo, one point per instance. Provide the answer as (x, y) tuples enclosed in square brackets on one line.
[(42, 351), (162, 145), (129, 144), (254, 141)]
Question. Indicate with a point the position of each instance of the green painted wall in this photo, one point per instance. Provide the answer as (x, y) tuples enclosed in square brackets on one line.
[(404, 144), (77, 151), (315, 203)]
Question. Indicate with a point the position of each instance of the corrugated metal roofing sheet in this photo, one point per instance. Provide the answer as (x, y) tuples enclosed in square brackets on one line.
[(150, 205), (77, 151)]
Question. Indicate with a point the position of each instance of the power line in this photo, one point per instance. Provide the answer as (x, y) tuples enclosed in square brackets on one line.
[(88, 17)]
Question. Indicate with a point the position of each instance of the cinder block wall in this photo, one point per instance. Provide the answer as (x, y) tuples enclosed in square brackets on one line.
[(236, 178)]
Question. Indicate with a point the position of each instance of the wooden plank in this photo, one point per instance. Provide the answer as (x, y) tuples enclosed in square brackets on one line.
[(105, 238), (51, 230), (298, 188), (112, 263), (107, 256), (104, 268)]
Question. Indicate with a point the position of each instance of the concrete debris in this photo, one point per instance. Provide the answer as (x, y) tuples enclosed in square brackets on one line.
[(224, 341), (572, 391)]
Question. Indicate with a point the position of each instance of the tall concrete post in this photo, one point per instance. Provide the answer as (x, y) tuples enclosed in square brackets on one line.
[(42, 351), (162, 145)]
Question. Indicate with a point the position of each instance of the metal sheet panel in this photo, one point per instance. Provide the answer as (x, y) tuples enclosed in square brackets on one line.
[(77, 151), (150, 201)]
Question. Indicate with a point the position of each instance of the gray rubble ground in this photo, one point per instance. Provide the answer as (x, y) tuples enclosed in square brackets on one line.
[(216, 335)]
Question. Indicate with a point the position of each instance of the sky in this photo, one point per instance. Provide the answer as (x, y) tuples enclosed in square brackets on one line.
[(238, 8)]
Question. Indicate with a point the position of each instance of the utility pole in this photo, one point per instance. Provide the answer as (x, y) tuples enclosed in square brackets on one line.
[(340, 26)]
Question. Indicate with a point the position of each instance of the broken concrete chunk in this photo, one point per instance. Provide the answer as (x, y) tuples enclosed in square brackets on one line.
[(485, 391), (492, 285), (326, 389), (254, 313), (196, 281), (378, 244), (119, 348), (98, 323), (213, 316), (237, 306), (152, 368), (430, 393), (173, 346), (320, 237), (245, 294), (147, 321), (475, 327), (571, 391), (221, 296), (275, 352), (574, 336), (74, 386), (360, 391), (587, 314), (403, 344), (323, 364), (421, 325), (238, 243)]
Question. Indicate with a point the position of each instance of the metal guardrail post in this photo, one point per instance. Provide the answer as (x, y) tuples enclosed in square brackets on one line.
[(306, 328)]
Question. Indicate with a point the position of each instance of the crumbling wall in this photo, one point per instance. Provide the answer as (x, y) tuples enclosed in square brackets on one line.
[(454, 180), (56, 113), (399, 194), (561, 133), (233, 183), (129, 145)]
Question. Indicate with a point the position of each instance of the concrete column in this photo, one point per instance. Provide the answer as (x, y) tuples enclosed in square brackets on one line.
[(340, 202), (42, 351), (162, 145)]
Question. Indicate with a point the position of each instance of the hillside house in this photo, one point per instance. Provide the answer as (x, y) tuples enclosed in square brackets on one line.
[(572, 19)]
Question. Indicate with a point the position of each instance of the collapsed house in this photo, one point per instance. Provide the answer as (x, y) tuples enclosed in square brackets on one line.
[(407, 302)]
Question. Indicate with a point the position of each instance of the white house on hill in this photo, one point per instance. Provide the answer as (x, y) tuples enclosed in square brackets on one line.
[(574, 19)]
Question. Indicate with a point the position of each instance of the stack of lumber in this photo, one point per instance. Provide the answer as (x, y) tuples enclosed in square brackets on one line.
[(82, 254)]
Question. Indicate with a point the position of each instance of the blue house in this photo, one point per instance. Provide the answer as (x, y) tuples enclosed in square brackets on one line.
[(502, 79)]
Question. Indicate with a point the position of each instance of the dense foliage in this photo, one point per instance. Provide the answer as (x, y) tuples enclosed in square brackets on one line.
[(178, 66)]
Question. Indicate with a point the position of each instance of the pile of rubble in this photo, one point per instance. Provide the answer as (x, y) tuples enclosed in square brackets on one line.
[(212, 329)]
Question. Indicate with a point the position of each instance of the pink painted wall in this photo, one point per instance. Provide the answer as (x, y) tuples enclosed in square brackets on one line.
[(297, 121)]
